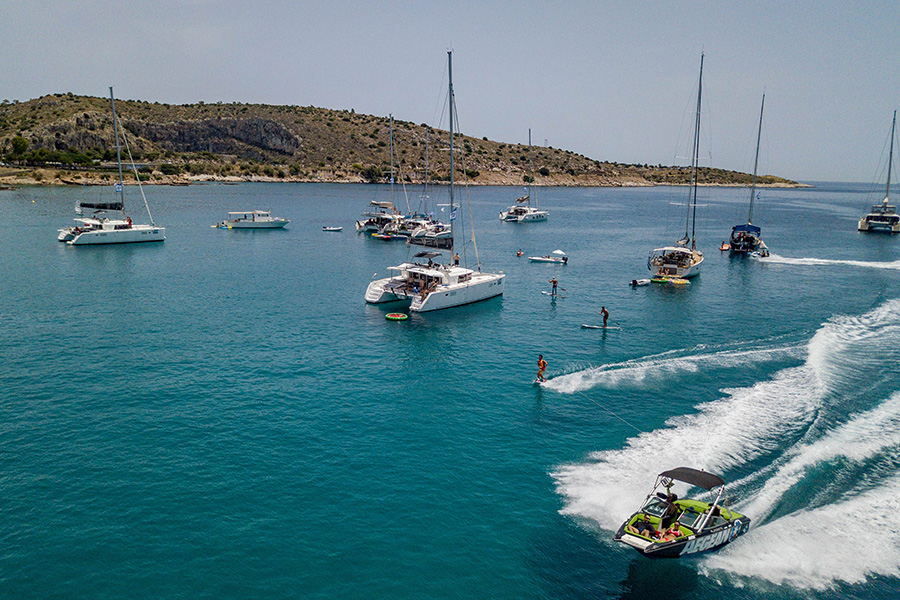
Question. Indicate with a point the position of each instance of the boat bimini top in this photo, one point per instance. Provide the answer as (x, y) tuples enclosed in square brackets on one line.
[(748, 229)]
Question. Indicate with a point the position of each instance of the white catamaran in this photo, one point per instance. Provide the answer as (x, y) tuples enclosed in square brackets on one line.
[(884, 216), (679, 261), (522, 211), (746, 238), (428, 285), (99, 228)]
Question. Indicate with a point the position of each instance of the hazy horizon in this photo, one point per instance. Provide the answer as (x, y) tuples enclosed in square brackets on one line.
[(613, 82)]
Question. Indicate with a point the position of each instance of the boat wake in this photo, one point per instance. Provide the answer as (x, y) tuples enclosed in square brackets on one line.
[(841, 535), (823, 262), (662, 367), (813, 453)]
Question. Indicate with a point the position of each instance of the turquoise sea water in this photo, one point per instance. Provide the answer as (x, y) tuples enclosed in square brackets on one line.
[(222, 416)]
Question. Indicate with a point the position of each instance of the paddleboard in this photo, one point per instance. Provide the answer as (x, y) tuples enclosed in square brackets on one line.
[(598, 327), (555, 296)]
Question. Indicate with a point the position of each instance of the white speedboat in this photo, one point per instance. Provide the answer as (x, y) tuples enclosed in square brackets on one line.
[(557, 256), (522, 211), (100, 228), (326, 228), (680, 261), (253, 219), (431, 285), (884, 216)]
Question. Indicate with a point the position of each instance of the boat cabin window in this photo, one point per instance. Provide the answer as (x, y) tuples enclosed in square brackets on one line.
[(691, 518), (465, 277), (656, 508), (715, 522)]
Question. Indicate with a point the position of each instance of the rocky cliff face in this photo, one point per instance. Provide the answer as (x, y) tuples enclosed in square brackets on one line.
[(254, 137)]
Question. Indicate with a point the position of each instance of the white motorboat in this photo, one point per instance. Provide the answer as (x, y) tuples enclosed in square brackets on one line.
[(430, 285), (884, 216), (383, 214), (253, 219), (557, 256), (326, 228), (100, 228), (679, 261), (522, 211)]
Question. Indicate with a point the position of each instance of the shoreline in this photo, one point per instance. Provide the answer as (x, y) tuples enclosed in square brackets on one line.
[(54, 178)]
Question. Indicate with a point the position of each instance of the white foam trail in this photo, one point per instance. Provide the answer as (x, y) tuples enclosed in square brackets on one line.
[(662, 367), (725, 433), (842, 542), (864, 436), (821, 262)]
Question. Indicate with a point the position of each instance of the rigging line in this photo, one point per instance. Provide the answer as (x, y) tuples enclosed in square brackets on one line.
[(468, 200), (635, 427), (136, 176)]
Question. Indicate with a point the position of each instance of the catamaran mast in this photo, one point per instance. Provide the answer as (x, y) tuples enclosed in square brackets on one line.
[(887, 191), (120, 187), (694, 161), (756, 161), (452, 105)]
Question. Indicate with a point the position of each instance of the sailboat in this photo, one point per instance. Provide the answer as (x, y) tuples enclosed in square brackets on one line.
[(679, 261), (429, 230), (426, 283), (100, 228), (522, 211), (745, 238), (884, 216)]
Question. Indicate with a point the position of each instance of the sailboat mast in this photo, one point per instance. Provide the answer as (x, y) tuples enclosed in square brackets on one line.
[(391, 139), (887, 191), (756, 161), (120, 187), (452, 105), (696, 159), (425, 187), (530, 172)]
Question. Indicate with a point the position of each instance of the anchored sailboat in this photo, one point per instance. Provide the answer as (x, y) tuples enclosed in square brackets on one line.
[(100, 228), (431, 285), (746, 238), (884, 216), (522, 211), (679, 261)]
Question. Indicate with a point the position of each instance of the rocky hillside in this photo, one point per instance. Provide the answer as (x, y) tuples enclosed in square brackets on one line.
[(68, 138)]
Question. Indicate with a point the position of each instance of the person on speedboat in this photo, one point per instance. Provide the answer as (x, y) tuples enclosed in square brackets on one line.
[(671, 511), (643, 528), (672, 533)]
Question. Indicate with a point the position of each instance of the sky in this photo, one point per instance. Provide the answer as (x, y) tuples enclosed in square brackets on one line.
[(614, 81)]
